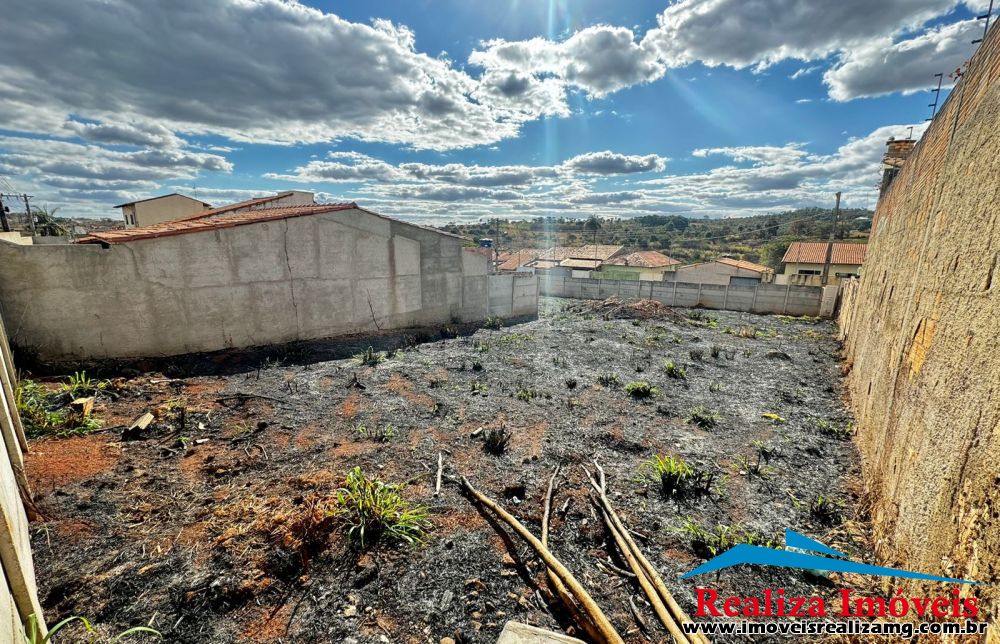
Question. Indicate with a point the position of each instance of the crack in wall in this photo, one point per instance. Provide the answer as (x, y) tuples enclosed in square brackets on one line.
[(291, 280)]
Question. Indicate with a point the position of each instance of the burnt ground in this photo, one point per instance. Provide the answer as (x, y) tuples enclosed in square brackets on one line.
[(187, 526)]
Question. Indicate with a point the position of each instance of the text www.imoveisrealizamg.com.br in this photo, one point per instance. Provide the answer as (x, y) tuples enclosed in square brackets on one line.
[(905, 630)]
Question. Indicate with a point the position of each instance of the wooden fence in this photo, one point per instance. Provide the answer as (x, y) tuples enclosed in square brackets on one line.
[(18, 593)]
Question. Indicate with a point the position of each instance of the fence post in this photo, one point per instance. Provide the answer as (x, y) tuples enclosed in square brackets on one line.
[(784, 305), (725, 298), (698, 303), (753, 303), (673, 297)]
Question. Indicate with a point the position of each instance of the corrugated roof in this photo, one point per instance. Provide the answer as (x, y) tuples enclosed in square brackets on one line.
[(182, 227), (643, 259), (745, 265), (815, 253)]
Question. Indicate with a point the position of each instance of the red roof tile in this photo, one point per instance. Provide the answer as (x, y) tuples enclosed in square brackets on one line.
[(516, 259), (815, 253), (643, 259), (184, 226), (745, 265)]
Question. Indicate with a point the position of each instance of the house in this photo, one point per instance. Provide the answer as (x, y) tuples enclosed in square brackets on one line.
[(517, 261), (805, 261), (649, 265), (261, 276), (724, 271), (574, 261), (155, 210), (177, 207)]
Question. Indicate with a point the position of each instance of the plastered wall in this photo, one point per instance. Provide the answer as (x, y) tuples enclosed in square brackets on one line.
[(264, 283), (921, 344)]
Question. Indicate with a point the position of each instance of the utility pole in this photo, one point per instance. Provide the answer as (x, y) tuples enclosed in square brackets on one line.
[(4, 224), (829, 245), (27, 210)]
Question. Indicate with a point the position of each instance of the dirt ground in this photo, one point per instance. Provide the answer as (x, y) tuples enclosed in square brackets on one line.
[(182, 527)]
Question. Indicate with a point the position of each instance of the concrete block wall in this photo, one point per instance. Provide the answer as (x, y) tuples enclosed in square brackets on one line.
[(299, 278), (764, 298), (920, 336)]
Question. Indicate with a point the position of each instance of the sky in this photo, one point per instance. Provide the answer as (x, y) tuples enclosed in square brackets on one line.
[(443, 111)]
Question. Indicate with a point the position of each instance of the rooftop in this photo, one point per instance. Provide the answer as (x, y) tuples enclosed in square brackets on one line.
[(745, 265), (643, 259), (515, 259), (184, 226), (815, 253), (172, 194), (248, 203), (602, 252)]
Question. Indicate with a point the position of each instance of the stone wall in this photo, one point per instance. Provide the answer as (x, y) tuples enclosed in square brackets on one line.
[(300, 278), (921, 344)]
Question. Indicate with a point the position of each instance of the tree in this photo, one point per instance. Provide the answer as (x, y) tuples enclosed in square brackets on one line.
[(46, 223)]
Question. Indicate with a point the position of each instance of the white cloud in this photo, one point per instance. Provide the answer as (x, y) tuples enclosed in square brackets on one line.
[(883, 67), (804, 71), (740, 33), (608, 162)]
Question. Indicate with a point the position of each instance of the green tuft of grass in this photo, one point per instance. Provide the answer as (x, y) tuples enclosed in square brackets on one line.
[(526, 395), (374, 511), (639, 389), (493, 322), (702, 417), (370, 357), (835, 430), (674, 371), (609, 380), (382, 434), (712, 542), (676, 477)]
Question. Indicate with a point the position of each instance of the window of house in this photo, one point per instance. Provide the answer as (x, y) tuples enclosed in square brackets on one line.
[(847, 274), (807, 271)]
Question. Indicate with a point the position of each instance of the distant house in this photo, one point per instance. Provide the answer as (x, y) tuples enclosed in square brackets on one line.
[(177, 207), (575, 261), (804, 262), (156, 210), (724, 271), (517, 261), (649, 265)]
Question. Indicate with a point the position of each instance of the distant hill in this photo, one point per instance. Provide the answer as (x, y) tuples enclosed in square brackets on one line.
[(761, 238)]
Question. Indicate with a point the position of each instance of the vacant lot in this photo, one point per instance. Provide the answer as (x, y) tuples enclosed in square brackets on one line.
[(212, 524)]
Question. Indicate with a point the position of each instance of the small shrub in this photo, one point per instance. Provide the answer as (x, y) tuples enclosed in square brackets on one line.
[(378, 434), (80, 386), (526, 395), (715, 387), (496, 440), (449, 331), (753, 467), (766, 450), (370, 357), (609, 380), (825, 511), (372, 510), (570, 383), (674, 371), (835, 430), (696, 354), (711, 543), (479, 388), (33, 634), (493, 322), (747, 332), (639, 389), (677, 477), (716, 351), (702, 417)]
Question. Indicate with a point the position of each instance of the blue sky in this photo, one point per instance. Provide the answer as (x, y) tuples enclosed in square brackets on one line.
[(454, 111)]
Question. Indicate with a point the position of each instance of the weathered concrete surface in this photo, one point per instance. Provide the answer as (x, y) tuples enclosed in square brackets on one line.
[(921, 342), (263, 283), (518, 633)]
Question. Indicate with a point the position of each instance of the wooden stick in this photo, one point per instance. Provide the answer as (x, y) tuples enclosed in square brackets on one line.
[(661, 588), (437, 485), (558, 587), (647, 586), (607, 631)]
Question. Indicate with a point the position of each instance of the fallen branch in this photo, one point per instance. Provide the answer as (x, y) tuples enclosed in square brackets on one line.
[(649, 579), (558, 587), (605, 629)]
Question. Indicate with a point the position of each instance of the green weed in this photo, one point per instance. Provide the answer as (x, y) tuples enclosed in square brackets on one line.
[(373, 511)]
